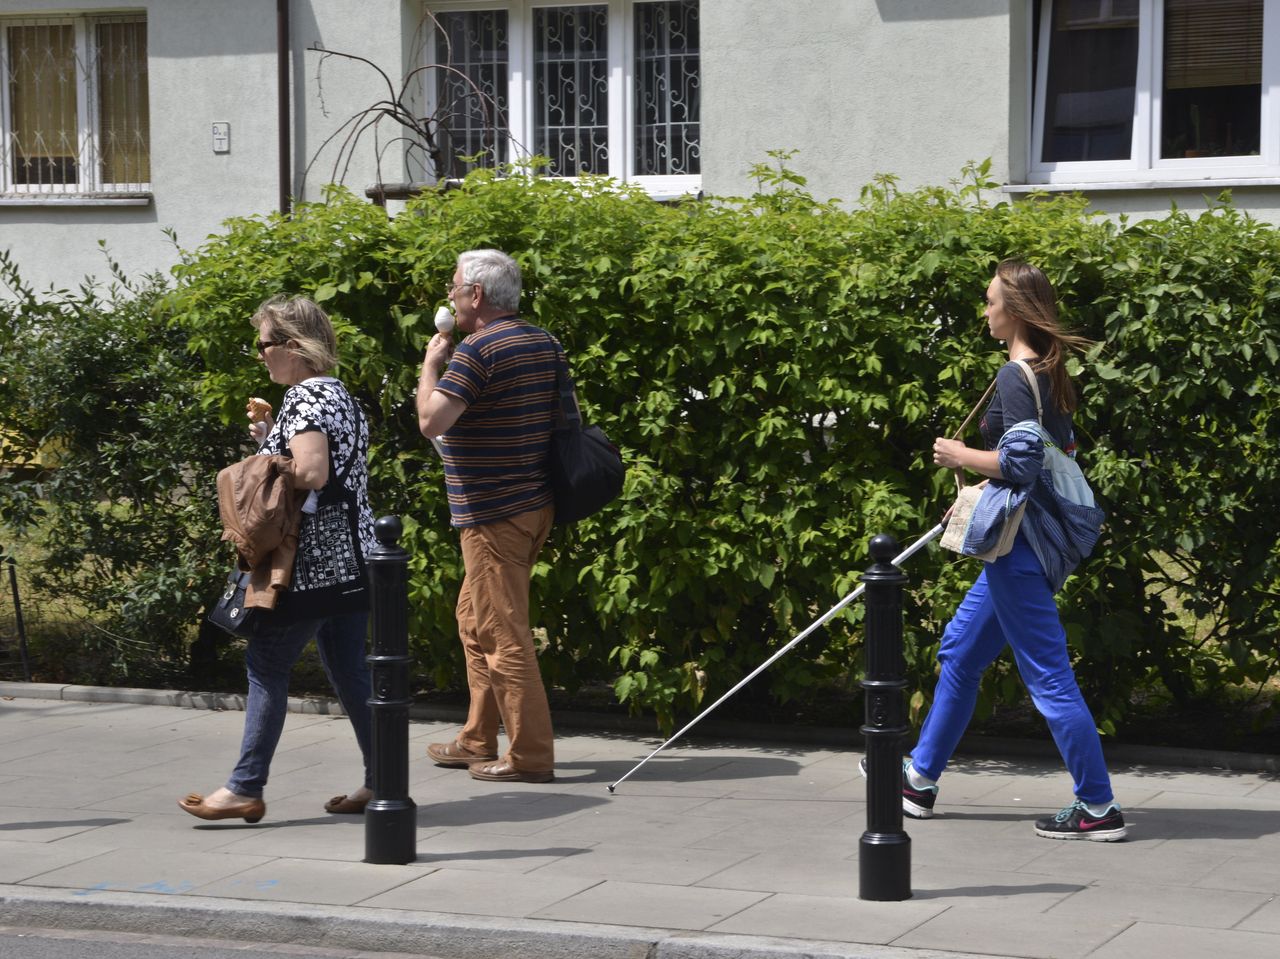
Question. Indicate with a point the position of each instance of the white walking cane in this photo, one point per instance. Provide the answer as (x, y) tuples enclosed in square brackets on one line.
[(901, 557)]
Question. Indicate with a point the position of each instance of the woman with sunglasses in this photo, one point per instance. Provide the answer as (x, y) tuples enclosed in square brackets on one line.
[(322, 429)]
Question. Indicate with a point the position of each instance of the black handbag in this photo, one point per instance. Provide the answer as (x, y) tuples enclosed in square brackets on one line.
[(230, 612), (586, 469)]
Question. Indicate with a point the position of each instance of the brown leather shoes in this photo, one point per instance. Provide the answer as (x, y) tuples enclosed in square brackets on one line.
[(250, 811), (344, 805), (504, 772), (455, 756)]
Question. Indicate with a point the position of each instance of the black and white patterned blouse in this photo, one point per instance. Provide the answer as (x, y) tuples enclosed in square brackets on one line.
[(323, 403)]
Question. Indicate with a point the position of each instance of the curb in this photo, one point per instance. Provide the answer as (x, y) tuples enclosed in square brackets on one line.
[(440, 935), (606, 722)]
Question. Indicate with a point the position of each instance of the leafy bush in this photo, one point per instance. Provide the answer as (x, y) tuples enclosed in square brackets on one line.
[(97, 383), (776, 369)]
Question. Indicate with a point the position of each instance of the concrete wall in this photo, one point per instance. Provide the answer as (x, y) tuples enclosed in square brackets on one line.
[(216, 61), (911, 87), (915, 88)]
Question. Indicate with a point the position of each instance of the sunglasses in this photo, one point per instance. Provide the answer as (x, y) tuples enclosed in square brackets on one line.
[(264, 345)]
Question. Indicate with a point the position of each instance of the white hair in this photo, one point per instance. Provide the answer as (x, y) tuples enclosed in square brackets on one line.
[(496, 273)]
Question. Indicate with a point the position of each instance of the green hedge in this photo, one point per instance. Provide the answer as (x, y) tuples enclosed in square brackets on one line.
[(775, 369)]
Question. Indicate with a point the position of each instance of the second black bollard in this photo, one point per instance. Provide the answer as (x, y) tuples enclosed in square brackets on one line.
[(391, 818), (884, 852)]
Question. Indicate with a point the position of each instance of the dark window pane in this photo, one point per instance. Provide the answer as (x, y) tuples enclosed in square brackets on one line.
[(1092, 69), (1212, 100)]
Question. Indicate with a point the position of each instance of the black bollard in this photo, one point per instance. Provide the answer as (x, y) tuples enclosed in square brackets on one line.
[(884, 852), (391, 818)]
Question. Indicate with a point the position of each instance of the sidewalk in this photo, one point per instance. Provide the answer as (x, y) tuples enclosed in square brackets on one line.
[(715, 850)]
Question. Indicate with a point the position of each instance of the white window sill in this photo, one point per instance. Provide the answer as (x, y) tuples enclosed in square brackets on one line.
[(1098, 186), (75, 199)]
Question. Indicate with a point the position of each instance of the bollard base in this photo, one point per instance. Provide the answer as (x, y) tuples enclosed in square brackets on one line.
[(391, 832), (884, 867)]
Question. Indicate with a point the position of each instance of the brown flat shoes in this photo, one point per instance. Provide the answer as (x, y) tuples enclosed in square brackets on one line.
[(343, 805), (250, 811), (455, 756), (504, 772)]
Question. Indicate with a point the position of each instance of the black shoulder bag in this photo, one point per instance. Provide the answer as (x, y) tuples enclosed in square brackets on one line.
[(586, 469)]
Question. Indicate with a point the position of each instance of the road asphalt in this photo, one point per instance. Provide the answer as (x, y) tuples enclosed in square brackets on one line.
[(719, 848)]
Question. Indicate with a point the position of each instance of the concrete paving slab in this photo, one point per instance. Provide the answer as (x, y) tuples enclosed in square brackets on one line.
[(308, 880), (145, 870), (639, 862), (780, 869), (24, 861), (1265, 919), (1245, 873), (1035, 935), (467, 892), (1146, 940), (1158, 901), (835, 918), (651, 904), (50, 823), (721, 850), (478, 850)]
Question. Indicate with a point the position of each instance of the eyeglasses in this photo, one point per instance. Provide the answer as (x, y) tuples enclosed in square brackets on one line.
[(264, 345), (448, 292)]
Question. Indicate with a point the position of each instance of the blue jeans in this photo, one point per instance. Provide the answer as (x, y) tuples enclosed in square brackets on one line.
[(269, 660), (1011, 604)]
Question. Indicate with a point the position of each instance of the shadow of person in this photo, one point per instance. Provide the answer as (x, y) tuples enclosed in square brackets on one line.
[(988, 892), (678, 769)]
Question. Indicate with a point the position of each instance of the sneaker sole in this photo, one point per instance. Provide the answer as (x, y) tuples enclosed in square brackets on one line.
[(915, 812), (1105, 835)]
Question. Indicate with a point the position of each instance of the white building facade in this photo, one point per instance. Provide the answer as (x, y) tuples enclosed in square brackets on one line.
[(121, 121)]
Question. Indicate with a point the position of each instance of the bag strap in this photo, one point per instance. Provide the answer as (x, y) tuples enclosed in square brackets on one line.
[(1035, 388), (568, 414), (959, 473)]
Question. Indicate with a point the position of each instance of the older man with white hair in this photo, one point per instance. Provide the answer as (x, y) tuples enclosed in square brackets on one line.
[(490, 404)]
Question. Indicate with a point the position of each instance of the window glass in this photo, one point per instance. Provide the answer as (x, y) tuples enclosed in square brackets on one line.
[(472, 90), (1212, 97), (1092, 71), (667, 89), (571, 88), (43, 96), (124, 129)]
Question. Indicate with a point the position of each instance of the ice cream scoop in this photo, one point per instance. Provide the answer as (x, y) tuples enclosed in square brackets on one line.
[(444, 320)]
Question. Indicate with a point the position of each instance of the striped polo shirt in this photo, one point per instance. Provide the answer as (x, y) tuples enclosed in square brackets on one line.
[(495, 455)]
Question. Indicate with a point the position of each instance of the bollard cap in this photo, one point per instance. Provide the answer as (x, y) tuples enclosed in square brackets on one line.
[(883, 548), (387, 530)]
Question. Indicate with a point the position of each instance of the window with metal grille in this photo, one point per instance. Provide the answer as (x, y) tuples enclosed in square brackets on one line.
[(74, 108), (609, 88)]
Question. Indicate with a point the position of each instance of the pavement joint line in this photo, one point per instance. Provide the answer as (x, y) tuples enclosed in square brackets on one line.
[(439, 935), (604, 722)]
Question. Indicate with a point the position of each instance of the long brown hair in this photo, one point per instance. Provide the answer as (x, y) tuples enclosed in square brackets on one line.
[(1029, 298)]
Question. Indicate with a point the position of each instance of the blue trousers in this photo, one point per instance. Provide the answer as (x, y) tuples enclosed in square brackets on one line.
[(269, 660), (1011, 604)]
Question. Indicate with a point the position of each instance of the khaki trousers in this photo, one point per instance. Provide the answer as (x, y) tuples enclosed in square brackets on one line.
[(493, 623)]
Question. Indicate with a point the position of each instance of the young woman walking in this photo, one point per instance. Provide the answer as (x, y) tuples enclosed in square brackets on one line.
[(1011, 603)]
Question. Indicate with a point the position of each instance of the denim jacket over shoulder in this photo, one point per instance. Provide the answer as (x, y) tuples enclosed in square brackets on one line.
[(1061, 523)]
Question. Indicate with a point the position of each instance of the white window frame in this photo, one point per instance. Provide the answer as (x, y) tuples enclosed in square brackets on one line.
[(520, 80), (1144, 166), (88, 143)]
